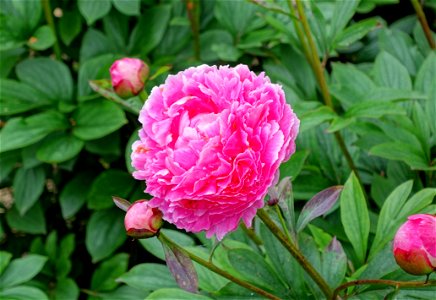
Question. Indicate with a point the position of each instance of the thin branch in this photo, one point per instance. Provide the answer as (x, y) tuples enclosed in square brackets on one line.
[(50, 22), (424, 24), (263, 215), (319, 74), (397, 284)]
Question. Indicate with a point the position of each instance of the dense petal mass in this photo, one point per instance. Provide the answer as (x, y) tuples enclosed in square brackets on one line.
[(211, 142)]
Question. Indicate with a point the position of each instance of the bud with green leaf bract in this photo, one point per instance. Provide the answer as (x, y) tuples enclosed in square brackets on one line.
[(415, 245), (142, 221), (128, 76)]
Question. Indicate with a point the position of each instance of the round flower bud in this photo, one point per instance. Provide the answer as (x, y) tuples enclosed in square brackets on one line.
[(142, 221), (415, 245), (211, 143), (128, 76)]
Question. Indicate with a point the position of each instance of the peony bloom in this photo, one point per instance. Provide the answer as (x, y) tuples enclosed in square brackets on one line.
[(142, 221), (211, 143), (128, 76), (415, 245)]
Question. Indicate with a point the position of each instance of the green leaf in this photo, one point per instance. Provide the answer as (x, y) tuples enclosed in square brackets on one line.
[(148, 276), (128, 7), (407, 153), (94, 10), (50, 77), (8, 161), (21, 270), (149, 30), (66, 288), (226, 52), (399, 45), (95, 119), (167, 293), (355, 216), (253, 268), (210, 38), (373, 109), (107, 184), (94, 43), (92, 69), (59, 148), (124, 292), (282, 261), (5, 258), (104, 276), (70, 25), (334, 263), (42, 39), (28, 186), (17, 97), (106, 146), (236, 23), (73, 195), (128, 152), (105, 232), (22, 132), (33, 220), (316, 117), (390, 72), (23, 293), (342, 14), (294, 165), (354, 33), (9, 60), (154, 246), (380, 263)]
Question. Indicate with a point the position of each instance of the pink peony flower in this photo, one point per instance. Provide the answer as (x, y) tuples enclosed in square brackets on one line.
[(142, 221), (128, 76), (415, 245), (211, 144)]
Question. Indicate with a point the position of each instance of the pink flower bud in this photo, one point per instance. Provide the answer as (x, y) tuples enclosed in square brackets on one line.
[(142, 221), (415, 245), (128, 76)]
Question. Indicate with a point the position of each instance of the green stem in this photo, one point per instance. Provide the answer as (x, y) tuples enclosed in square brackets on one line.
[(113, 97), (263, 215), (319, 74), (397, 284), (424, 24), (282, 221), (217, 270), (251, 234), (193, 9), (300, 33), (49, 18), (269, 7)]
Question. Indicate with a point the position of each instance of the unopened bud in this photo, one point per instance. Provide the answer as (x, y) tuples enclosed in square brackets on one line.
[(415, 245), (128, 76), (142, 221)]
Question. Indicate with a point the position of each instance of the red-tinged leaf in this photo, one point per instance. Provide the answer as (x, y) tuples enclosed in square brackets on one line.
[(121, 203), (181, 267), (318, 205)]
